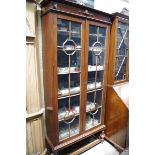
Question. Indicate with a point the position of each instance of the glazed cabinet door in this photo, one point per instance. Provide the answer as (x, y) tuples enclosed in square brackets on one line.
[(122, 47), (69, 56), (96, 48)]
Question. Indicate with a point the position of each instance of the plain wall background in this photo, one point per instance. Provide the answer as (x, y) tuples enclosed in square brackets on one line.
[(111, 6)]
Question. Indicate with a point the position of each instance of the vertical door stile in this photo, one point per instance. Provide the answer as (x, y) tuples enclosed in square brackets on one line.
[(86, 69), (106, 73), (55, 83), (111, 58), (83, 76)]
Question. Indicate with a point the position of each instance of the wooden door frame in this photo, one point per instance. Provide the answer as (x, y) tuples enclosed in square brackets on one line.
[(107, 41), (112, 53), (74, 19)]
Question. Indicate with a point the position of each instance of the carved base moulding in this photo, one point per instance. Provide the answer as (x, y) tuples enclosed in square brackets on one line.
[(74, 140)]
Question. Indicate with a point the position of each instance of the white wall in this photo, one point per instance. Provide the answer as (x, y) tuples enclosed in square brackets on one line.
[(111, 6)]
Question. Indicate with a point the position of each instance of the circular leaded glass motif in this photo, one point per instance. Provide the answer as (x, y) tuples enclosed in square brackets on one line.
[(97, 48), (69, 116), (69, 47)]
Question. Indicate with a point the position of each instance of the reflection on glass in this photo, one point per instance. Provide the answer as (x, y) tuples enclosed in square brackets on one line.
[(102, 32), (63, 107), (68, 130), (94, 100), (120, 67), (63, 62), (126, 39), (99, 95), (93, 120), (91, 103), (99, 76), (68, 115), (98, 116), (69, 47), (100, 59), (75, 60), (63, 25), (62, 81), (75, 104), (121, 51), (63, 131), (62, 59), (75, 83), (66, 109), (63, 84), (75, 27), (91, 59), (92, 40), (96, 54), (119, 38), (95, 82), (123, 27), (74, 127), (62, 36), (91, 77), (76, 38), (102, 40), (92, 29)]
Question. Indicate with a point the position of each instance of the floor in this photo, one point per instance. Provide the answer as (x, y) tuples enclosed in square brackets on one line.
[(125, 152), (102, 149)]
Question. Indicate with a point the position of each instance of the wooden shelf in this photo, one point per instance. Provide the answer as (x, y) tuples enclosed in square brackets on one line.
[(62, 119)]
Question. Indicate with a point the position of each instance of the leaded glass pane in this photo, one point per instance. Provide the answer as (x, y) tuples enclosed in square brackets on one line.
[(63, 131), (63, 60), (63, 25), (92, 40), (92, 29), (95, 85), (75, 27), (74, 127), (76, 38), (76, 60), (69, 76), (93, 120), (121, 51), (62, 36)]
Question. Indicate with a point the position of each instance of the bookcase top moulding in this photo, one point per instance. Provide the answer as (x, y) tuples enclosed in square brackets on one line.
[(71, 3), (82, 10)]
